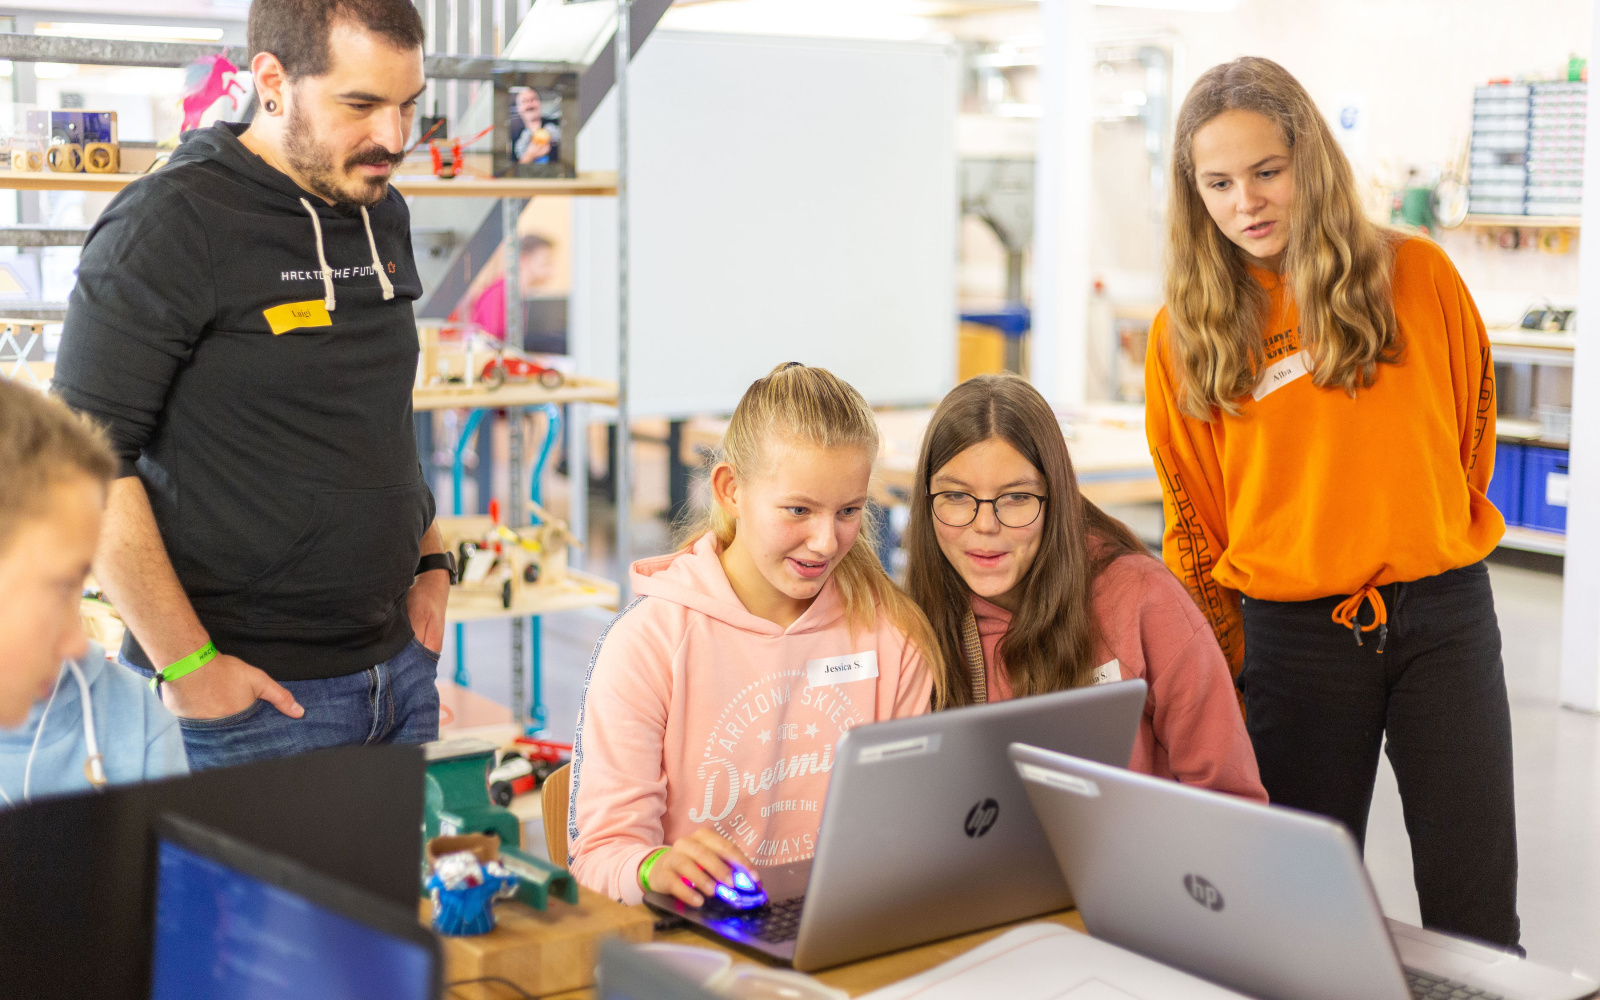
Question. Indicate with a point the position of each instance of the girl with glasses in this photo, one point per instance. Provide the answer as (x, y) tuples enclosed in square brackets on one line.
[(1030, 588), (1321, 407)]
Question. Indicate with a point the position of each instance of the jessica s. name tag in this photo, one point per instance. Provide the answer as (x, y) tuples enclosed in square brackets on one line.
[(1276, 376), (842, 669)]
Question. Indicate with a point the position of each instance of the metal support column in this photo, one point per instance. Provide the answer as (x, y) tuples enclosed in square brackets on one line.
[(624, 49), (516, 508)]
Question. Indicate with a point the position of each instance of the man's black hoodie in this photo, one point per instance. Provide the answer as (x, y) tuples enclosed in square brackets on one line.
[(251, 350)]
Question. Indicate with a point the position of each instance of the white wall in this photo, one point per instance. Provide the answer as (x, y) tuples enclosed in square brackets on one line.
[(1580, 613), (792, 199)]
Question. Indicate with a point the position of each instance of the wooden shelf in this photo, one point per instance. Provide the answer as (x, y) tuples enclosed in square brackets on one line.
[(599, 183), (579, 590), (46, 180), (1534, 540), (1520, 222), (407, 184), (576, 389)]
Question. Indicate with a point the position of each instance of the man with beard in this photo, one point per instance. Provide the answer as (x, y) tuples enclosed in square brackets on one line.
[(242, 324)]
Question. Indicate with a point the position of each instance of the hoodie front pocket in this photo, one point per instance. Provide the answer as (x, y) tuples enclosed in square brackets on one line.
[(349, 567)]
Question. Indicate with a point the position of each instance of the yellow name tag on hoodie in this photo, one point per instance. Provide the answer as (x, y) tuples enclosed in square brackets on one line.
[(842, 669), (297, 315)]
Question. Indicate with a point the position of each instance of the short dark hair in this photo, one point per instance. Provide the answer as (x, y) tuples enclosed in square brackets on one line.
[(533, 243), (296, 31)]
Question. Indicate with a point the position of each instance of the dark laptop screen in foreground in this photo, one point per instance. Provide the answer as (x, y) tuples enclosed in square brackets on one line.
[(222, 933)]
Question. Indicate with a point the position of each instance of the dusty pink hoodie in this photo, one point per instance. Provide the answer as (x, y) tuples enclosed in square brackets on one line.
[(698, 713), (1149, 625)]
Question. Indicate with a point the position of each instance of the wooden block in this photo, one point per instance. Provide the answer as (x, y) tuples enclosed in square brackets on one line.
[(543, 953)]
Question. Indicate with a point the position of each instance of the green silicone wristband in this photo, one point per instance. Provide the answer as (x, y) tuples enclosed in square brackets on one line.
[(188, 665), (649, 863)]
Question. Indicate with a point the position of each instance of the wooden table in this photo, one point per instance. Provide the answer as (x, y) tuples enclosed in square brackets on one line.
[(869, 974)]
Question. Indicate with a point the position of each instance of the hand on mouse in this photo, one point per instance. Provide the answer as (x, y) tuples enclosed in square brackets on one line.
[(692, 867)]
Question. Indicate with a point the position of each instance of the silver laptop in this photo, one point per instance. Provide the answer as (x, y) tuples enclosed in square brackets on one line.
[(926, 831), (1266, 900)]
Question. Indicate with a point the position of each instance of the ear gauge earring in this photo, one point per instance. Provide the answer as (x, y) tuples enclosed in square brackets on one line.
[(271, 106)]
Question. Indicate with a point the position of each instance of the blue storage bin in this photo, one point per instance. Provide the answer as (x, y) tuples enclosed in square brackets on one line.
[(1505, 489), (1544, 489)]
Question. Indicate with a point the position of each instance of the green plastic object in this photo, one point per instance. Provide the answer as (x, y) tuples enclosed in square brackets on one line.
[(1415, 206), (540, 880), (456, 801), (456, 793)]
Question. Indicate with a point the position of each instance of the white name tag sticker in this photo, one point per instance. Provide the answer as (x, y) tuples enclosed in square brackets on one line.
[(1276, 376), (1109, 673), (842, 669)]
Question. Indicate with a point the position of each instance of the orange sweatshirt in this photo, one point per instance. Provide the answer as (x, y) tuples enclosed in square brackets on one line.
[(1191, 730), (700, 714), (1310, 493)]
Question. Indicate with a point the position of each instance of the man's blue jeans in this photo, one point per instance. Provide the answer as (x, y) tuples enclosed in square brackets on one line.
[(393, 702)]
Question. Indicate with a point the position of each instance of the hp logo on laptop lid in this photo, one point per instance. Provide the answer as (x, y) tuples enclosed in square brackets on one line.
[(1203, 892), (981, 818)]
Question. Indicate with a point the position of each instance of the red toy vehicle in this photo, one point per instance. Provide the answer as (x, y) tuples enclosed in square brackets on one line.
[(508, 366), (524, 769)]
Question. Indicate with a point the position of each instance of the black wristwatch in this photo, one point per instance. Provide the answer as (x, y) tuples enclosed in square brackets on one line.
[(438, 560)]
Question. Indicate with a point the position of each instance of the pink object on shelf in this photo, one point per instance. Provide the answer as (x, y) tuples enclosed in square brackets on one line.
[(206, 81)]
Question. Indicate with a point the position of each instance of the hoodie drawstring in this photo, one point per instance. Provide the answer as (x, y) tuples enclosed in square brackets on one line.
[(377, 265), (328, 298), (1349, 611)]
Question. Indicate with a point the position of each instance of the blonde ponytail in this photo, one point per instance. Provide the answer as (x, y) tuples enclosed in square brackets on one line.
[(813, 405)]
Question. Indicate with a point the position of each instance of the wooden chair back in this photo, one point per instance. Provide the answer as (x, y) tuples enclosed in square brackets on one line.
[(557, 798)]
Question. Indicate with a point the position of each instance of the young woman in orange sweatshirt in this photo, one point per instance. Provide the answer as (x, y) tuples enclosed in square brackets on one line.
[(1321, 409)]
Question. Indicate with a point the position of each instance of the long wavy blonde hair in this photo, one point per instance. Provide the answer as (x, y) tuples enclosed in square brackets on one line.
[(798, 404), (1338, 263)]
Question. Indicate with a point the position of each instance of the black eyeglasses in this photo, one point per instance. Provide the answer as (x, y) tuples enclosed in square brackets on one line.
[(1014, 510)]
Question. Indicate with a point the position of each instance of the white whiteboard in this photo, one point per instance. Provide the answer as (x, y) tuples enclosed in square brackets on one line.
[(792, 199)]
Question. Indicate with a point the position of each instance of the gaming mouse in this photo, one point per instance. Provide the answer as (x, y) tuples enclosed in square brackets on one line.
[(743, 894)]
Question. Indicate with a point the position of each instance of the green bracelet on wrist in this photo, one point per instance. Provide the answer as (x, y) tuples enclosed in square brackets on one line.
[(188, 665), (649, 863)]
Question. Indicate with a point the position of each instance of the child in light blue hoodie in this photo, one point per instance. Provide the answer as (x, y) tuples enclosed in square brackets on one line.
[(69, 719)]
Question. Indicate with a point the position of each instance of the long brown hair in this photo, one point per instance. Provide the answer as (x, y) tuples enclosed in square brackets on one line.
[(1338, 263), (1050, 645), (796, 403)]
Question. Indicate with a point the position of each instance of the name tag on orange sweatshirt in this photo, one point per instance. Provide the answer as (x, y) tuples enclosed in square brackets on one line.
[(1276, 376), (1109, 673), (842, 669)]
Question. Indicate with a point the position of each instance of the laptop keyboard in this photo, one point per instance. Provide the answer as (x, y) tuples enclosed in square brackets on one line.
[(775, 923), (1427, 986)]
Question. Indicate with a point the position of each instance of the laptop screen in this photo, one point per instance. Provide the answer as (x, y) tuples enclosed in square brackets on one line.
[(222, 933)]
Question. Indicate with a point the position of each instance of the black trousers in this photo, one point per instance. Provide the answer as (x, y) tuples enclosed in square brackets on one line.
[(1318, 708)]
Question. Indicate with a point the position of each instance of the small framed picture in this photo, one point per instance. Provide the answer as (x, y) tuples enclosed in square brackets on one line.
[(530, 139)]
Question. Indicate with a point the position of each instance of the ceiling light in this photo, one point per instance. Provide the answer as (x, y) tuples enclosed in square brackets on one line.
[(53, 71), (129, 32)]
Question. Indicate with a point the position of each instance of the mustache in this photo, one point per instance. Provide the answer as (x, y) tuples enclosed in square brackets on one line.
[(374, 155)]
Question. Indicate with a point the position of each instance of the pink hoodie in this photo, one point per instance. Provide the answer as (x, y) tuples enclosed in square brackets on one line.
[(698, 713), (1192, 729)]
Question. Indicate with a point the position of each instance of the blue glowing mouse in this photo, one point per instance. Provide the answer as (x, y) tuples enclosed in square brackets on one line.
[(742, 894)]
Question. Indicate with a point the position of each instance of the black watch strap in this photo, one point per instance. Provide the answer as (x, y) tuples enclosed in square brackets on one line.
[(438, 560)]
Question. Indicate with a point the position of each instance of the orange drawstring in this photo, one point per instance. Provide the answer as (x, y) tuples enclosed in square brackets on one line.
[(1349, 610)]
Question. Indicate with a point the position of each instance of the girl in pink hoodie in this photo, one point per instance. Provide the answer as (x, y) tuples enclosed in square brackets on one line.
[(1031, 588), (716, 699)]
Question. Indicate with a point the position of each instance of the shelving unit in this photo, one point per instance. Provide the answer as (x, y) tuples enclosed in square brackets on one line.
[(580, 590)]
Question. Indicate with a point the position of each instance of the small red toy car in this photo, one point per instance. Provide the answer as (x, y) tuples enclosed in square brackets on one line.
[(507, 366), (524, 769)]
